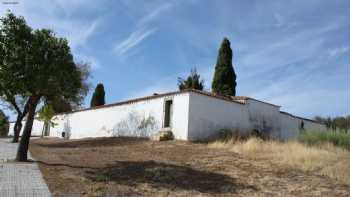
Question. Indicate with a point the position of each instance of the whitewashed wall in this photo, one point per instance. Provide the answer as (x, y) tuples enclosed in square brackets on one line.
[(264, 117), (310, 125), (208, 115), (290, 126), (195, 116), (142, 118), (36, 130)]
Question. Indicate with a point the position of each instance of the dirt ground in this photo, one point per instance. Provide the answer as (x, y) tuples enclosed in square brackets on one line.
[(138, 167)]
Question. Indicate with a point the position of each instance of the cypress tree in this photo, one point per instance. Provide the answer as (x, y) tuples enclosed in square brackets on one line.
[(224, 82), (98, 98)]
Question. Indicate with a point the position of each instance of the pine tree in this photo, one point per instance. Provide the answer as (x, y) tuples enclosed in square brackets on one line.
[(224, 82), (98, 98), (193, 81)]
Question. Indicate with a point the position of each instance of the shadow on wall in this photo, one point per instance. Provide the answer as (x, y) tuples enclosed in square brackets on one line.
[(136, 125), (162, 175), (263, 127)]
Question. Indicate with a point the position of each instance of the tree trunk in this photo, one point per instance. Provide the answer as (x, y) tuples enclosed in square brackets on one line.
[(24, 144), (18, 125), (45, 130), (17, 128)]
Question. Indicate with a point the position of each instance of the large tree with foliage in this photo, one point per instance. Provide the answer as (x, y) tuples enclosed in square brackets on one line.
[(48, 71), (15, 39), (4, 124), (60, 104), (193, 81), (224, 82), (98, 97)]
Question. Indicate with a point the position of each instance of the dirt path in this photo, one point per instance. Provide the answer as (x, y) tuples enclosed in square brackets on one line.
[(127, 166)]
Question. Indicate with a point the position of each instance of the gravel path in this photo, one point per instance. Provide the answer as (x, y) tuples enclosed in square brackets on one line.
[(19, 179)]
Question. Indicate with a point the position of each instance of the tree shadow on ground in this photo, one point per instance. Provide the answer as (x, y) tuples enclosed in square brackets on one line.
[(93, 142), (162, 175)]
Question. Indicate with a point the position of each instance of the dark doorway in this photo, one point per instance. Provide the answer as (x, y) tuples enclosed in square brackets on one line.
[(168, 113)]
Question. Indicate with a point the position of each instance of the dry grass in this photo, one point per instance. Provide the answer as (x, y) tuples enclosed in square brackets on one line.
[(137, 167), (324, 159)]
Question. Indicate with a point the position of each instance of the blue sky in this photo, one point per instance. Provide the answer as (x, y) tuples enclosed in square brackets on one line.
[(291, 53)]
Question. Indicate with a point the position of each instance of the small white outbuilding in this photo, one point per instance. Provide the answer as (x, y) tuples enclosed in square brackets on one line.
[(189, 114)]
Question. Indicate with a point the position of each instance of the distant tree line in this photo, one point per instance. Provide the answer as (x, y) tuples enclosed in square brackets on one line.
[(341, 123)]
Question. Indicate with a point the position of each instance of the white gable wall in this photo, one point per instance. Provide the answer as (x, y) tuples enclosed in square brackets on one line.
[(208, 115)]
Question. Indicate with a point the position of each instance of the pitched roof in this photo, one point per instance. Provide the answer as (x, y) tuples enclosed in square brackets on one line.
[(154, 96), (243, 99), (235, 99)]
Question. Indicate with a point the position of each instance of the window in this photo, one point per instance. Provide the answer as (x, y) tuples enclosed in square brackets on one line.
[(168, 109)]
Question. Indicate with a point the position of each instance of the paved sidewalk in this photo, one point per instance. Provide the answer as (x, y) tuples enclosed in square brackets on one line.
[(19, 179)]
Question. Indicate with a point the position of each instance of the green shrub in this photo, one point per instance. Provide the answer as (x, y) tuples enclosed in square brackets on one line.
[(336, 138)]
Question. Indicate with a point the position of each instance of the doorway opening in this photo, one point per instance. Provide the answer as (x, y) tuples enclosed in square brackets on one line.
[(168, 113)]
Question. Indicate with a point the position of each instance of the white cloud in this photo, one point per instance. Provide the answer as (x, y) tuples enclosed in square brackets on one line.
[(55, 15), (133, 40), (143, 30), (338, 51), (154, 14)]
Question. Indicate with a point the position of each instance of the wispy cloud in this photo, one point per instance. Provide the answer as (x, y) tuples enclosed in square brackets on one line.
[(56, 15), (142, 31), (133, 40), (79, 33), (154, 14), (338, 51)]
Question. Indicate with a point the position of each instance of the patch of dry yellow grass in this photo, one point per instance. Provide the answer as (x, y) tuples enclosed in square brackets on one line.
[(326, 159)]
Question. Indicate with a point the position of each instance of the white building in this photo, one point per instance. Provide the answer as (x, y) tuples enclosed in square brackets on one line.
[(190, 114)]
